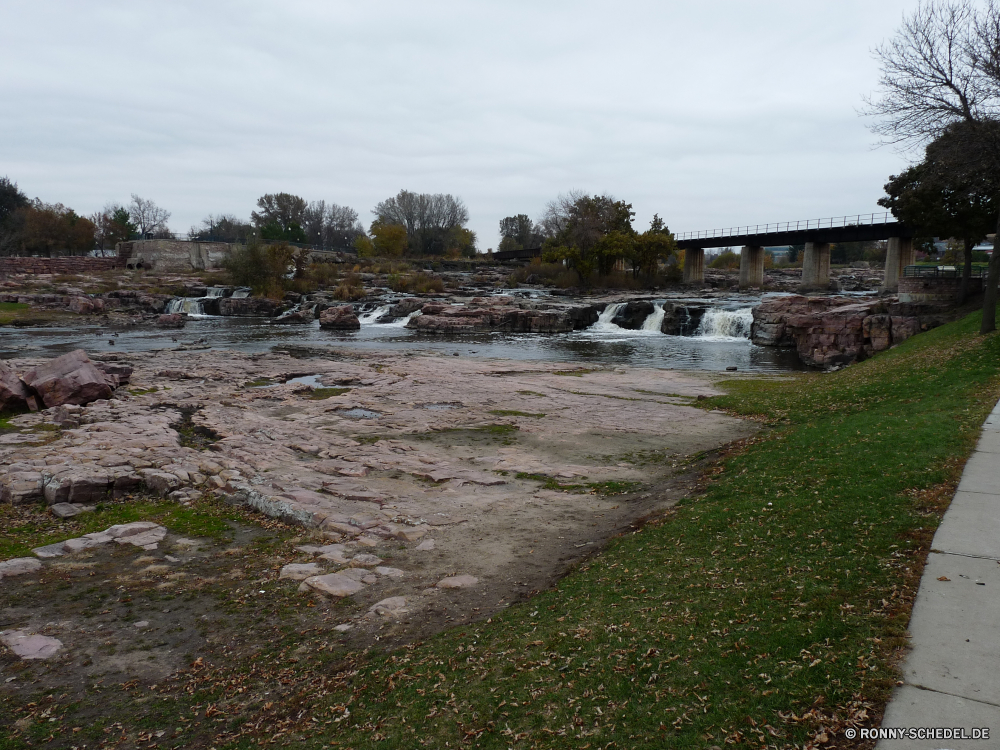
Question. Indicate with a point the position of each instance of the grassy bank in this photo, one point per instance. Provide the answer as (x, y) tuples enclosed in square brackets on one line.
[(766, 612)]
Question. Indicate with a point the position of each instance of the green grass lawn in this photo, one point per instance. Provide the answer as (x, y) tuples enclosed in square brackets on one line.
[(767, 612)]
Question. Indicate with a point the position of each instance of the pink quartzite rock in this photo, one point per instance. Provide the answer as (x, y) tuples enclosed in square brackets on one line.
[(334, 585), (29, 645), (497, 314), (339, 318), (13, 394), (69, 379)]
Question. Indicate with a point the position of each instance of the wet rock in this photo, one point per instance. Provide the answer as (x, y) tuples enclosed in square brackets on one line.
[(334, 584), (172, 320), (340, 318), (250, 306), (457, 582), (298, 315), (299, 571), (406, 306), (13, 393), (28, 645), (493, 315), (19, 566), (633, 315), (69, 379)]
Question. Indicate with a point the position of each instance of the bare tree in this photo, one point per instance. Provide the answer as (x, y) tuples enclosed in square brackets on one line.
[(148, 218), (941, 77), (428, 218)]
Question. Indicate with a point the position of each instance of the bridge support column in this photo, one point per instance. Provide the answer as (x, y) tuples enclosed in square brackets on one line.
[(694, 265), (751, 267), (816, 266), (898, 256)]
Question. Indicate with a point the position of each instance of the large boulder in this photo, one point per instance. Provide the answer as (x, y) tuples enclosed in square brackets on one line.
[(305, 314), (69, 379), (172, 320), (13, 394), (339, 319), (497, 314)]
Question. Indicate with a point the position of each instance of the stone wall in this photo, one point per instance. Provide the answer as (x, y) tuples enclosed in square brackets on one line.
[(58, 265), (172, 256), (934, 291)]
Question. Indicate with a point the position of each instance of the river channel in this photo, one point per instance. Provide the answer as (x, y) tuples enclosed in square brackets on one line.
[(721, 342)]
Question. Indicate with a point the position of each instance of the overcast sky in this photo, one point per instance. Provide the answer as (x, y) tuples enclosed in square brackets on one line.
[(709, 113)]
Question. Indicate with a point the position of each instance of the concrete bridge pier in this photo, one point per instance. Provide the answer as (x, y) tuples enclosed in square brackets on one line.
[(694, 265), (816, 266), (751, 267), (899, 255)]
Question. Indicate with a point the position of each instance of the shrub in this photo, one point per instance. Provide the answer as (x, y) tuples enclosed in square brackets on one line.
[(350, 289), (418, 283), (726, 260), (263, 268)]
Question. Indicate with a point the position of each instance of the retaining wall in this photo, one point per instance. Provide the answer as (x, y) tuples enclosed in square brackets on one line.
[(59, 265)]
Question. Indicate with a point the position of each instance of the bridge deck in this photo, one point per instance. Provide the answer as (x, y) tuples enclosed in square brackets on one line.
[(853, 233)]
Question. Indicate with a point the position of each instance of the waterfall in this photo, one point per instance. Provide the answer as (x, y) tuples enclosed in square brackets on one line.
[(604, 321), (187, 305), (725, 324), (372, 317), (241, 293), (215, 291), (401, 322), (654, 321)]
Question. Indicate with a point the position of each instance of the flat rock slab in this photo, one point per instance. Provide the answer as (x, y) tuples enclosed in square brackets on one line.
[(146, 539), (390, 572), (425, 546), (50, 550), (68, 510), (334, 584), (457, 582), (364, 560), (19, 566), (29, 645), (300, 571)]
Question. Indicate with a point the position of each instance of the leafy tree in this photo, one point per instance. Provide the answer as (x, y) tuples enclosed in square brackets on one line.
[(112, 225), (649, 248), (389, 239), (942, 199), (149, 219), (291, 233), (428, 219), (52, 228), (941, 77), (588, 233), (518, 232), (222, 228), (11, 200), (260, 266), (281, 209)]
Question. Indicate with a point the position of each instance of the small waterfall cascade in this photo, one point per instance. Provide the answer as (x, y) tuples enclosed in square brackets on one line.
[(371, 317), (726, 324), (654, 321), (242, 293), (604, 321), (186, 305), (214, 292), (401, 322)]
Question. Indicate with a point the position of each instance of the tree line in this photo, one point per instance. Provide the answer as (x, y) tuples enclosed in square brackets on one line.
[(940, 91)]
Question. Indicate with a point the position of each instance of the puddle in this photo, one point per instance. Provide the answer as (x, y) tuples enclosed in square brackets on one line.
[(358, 413), (310, 380)]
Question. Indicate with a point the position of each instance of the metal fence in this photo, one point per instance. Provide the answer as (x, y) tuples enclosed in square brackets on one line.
[(943, 272), (834, 222)]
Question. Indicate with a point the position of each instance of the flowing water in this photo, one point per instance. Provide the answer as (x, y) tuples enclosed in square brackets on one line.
[(721, 340)]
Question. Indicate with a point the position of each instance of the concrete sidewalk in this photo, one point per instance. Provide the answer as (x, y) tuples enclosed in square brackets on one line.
[(952, 675)]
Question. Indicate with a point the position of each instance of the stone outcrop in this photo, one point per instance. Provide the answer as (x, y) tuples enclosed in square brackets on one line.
[(340, 318), (497, 314), (302, 314), (633, 315), (69, 379), (406, 306), (832, 331), (250, 306), (13, 394)]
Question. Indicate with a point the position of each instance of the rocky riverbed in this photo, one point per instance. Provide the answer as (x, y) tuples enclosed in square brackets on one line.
[(431, 489)]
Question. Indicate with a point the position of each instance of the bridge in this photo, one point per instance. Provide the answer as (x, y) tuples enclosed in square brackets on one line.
[(816, 234)]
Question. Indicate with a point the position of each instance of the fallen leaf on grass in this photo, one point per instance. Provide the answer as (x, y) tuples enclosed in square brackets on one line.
[(944, 578)]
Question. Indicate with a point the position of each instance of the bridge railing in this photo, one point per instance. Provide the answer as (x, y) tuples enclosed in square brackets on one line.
[(833, 222), (944, 272)]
